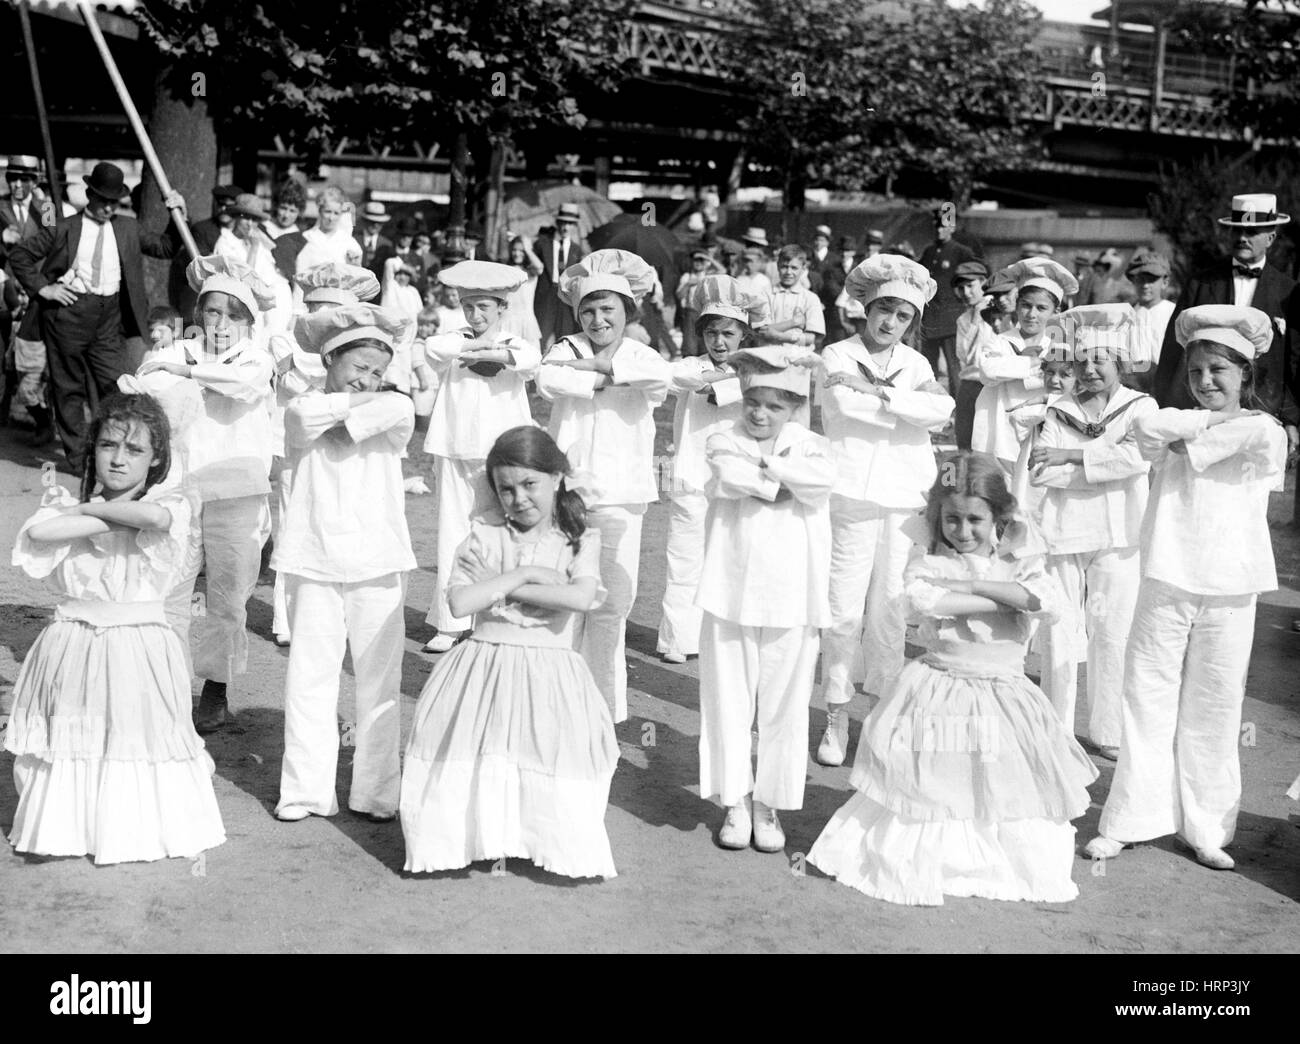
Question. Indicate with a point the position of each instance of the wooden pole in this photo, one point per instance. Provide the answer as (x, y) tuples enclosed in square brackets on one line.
[(151, 157), (56, 191)]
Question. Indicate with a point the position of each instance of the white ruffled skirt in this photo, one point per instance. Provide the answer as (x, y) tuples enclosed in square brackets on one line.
[(966, 787), (511, 755), (107, 762)]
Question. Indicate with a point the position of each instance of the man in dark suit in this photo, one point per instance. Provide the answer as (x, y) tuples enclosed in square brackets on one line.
[(939, 320), (557, 251), (20, 214), (376, 248), (1246, 280), (831, 274), (86, 275), (205, 233)]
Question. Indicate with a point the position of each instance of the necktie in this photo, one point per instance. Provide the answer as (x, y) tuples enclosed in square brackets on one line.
[(1246, 272), (97, 260)]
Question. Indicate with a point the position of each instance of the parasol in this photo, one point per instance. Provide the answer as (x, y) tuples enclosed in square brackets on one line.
[(659, 247), (531, 205)]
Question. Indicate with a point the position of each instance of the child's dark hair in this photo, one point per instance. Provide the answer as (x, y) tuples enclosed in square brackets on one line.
[(746, 334), (127, 410), (969, 474), (238, 307), (360, 342), (530, 447), (163, 314), (793, 252), (1250, 395)]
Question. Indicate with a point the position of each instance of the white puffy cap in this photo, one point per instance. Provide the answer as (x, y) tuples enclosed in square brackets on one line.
[(1042, 272), (618, 271), (1247, 331), (890, 275), (721, 295)]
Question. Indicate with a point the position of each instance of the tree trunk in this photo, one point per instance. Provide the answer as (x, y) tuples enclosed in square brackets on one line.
[(494, 243), (459, 191), (185, 137)]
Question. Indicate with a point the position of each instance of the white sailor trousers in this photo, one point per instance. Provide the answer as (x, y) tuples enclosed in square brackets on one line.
[(868, 556), (282, 476), (366, 618), (464, 493), (679, 626), (1101, 590), (604, 634), (748, 673), (234, 531), (1185, 677)]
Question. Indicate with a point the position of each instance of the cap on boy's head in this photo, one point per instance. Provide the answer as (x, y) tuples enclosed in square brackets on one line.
[(334, 283), (771, 366), (618, 271), (701, 254), (1247, 331), (755, 236), (1109, 256), (483, 278), (1044, 273), (999, 284), (976, 270), (327, 331), (890, 275), (721, 295), (874, 235), (1147, 262), (1108, 326), (216, 273), (822, 230), (227, 193)]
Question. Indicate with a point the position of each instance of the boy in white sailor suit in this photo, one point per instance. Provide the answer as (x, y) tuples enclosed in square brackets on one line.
[(708, 394), (763, 592), (1008, 365), (482, 391), (879, 404), (604, 388), (345, 551), (1087, 459)]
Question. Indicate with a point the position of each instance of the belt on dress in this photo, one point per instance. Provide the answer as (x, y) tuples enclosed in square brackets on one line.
[(103, 613)]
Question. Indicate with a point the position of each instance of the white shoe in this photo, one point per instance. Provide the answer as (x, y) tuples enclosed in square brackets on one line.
[(673, 656), (1102, 847), (768, 835), (737, 828), (291, 814), (1214, 858), (440, 642), (835, 740)]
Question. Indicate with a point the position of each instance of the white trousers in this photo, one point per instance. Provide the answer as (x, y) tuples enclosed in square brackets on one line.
[(868, 556), (181, 607), (604, 634), (234, 531), (283, 479), (1179, 769), (747, 672), (679, 626), (464, 493), (1101, 590), (367, 619)]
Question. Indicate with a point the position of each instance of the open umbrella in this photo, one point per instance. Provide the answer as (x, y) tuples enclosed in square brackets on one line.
[(531, 205), (659, 247)]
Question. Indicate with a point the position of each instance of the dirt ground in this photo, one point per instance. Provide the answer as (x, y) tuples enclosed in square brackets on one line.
[(337, 885)]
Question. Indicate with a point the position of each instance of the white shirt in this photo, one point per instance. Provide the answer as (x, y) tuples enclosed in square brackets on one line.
[(346, 517), (229, 446), (1010, 371), (471, 410), (882, 449), (1149, 334), (110, 272), (609, 432), (452, 320), (1206, 527), (757, 284), (696, 418), (971, 330), (1243, 289), (256, 252), (321, 248), (797, 302), (767, 563), (1099, 504)]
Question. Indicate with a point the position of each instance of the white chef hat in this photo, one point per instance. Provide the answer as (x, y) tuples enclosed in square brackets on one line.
[(216, 273), (1044, 273), (618, 271), (721, 295), (773, 366), (1108, 326), (335, 283), (890, 275), (483, 278), (325, 332), (1247, 331)]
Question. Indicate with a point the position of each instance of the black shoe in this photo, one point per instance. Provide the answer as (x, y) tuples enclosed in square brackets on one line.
[(212, 713)]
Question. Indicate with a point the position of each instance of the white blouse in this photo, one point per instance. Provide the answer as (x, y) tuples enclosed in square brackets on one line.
[(696, 418), (1206, 527), (1009, 368), (346, 518), (472, 408), (609, 431)]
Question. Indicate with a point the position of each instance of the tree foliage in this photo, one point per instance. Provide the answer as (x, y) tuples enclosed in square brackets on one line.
[(384, 72), (849, 95)]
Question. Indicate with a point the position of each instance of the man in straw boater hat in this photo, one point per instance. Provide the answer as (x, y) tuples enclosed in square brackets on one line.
[(557, 252), (20, 213), (86, 275), (1245, 280)]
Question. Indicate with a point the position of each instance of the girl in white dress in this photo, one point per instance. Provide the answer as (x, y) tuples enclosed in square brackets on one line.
[(107, 762), (513, 748), (708, 395), (966, 779), (1206, 555), (482, 391), (604, 388)]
